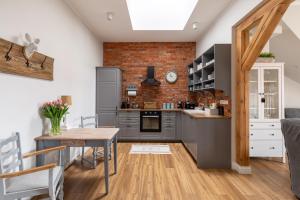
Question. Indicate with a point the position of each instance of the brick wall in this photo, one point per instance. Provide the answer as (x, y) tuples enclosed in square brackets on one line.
[(133, 59)]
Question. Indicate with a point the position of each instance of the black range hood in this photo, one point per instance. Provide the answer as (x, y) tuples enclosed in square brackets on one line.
[(150, 80)]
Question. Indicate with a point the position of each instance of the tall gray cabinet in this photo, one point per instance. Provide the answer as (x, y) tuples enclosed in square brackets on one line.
[(108, 95)]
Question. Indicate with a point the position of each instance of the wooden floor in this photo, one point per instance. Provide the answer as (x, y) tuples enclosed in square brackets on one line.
[(176, 176)]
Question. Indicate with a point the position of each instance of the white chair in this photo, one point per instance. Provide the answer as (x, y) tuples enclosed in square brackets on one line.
[(92, 122), (17, 182)]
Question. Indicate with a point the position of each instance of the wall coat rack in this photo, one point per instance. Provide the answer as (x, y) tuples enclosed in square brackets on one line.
[(13, 61)]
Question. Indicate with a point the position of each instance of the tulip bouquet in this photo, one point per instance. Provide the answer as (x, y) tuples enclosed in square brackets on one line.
[(55, 110)]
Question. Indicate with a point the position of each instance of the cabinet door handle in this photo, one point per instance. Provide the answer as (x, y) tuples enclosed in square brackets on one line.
[(252, 148), (251, 134), (272, 134), (272, 148), (273, 125)]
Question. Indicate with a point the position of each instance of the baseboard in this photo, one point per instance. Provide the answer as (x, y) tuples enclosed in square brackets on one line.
[(241, 169)]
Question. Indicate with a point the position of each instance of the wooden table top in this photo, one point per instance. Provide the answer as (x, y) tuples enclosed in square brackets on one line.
[(83, 134)]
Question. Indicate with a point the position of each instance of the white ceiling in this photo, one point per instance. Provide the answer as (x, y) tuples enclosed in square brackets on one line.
[(93, 14)]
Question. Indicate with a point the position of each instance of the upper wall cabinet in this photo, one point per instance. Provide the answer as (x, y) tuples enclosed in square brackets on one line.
[(211, 70)]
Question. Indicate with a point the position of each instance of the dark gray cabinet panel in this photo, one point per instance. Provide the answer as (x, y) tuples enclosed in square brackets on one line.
[(129, 124), (108, 95), (169, 125), (107, 118), (208, 141), (107, 75)]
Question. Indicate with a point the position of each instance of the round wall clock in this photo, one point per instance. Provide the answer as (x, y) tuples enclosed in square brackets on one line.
[(171, 77)]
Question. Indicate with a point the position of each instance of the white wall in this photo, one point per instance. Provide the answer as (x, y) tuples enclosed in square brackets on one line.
[(221, 32), (75, 50), (291, 93)]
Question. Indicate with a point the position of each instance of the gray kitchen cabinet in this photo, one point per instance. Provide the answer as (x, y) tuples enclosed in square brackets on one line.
[(108, 94), (208, 141), (169, 125), (129, 124)]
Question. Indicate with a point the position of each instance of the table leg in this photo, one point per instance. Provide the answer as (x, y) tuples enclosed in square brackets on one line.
[(116, 154), (106, 171), (40, 159)]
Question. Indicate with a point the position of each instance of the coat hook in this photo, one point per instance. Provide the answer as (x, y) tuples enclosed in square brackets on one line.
[(7, 57), (28, 63), (42, 65)]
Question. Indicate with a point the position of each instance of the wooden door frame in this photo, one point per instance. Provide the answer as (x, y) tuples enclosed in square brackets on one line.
[(265, 17)]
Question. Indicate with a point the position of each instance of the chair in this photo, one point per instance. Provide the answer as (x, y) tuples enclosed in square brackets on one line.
[(86, 122), (291, 133), (17, 182)]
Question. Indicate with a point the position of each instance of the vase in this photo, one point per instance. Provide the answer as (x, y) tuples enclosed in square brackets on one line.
[(55, 126)]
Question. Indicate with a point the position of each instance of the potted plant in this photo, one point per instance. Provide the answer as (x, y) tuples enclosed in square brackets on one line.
[(266, 57), (55, 110)]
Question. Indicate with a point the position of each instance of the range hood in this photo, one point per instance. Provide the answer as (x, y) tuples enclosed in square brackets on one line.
[(150, 80)]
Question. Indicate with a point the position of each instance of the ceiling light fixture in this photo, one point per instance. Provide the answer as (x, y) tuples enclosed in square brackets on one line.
[(195, 26), (109, 16), (160, 14)]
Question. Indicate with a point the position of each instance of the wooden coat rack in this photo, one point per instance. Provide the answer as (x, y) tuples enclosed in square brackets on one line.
[(13, 61)]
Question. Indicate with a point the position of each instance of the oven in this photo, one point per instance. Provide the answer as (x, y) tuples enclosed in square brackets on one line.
[(150, 121)]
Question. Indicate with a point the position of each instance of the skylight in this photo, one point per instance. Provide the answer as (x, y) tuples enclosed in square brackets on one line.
[(160, 14)]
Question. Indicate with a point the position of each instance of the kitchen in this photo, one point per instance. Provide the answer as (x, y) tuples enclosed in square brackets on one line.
[(154, 93)]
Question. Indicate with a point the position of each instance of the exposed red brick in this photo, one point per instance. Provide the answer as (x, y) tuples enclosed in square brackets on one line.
[(133, 59)]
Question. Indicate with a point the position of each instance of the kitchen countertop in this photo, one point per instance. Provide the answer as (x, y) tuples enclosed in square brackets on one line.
[(204, 115), (188, 112), (156, 109)]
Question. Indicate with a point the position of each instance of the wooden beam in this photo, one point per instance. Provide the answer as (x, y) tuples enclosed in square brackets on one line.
[(263, 34), (269, 12)]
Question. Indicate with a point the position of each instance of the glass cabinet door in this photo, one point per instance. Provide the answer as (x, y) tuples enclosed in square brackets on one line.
[(271, 93), (254, 94)]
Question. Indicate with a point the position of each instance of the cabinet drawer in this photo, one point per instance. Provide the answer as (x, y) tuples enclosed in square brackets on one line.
[(128, 120), (125, 126), (274, 125), (266, 148), (128, 133), (169, 133), (169, 114), (129, 114), (169, 126), (265, 134)]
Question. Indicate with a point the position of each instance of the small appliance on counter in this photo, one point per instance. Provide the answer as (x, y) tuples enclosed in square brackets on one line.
[(189, 105), (125, 104), (180, 105)]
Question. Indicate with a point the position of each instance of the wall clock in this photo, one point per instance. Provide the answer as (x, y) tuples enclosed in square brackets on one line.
[(171, 76)]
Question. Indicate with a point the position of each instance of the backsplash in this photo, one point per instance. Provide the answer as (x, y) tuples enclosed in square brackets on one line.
[(206, 98), (133, 59)]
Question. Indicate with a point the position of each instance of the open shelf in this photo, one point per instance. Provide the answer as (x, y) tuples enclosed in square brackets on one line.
[(212, 69)]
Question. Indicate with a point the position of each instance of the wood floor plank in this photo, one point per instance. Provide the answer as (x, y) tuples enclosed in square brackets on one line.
[(176, 177)]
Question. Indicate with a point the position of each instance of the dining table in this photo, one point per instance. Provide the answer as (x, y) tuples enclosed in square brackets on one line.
[(82, 137)]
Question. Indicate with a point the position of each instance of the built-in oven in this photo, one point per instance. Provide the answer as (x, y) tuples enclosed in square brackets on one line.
[(150, 121)]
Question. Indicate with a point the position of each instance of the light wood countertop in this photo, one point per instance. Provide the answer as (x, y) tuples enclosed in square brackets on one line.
[(193, 115), (83, 134), (205, 116)]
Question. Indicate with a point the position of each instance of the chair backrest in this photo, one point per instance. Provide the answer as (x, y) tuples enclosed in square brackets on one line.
[(89, 121), (10, 157)]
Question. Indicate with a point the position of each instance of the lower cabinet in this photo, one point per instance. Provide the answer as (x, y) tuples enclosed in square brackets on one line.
[(208, 141), (266, 140), (129, 124)]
